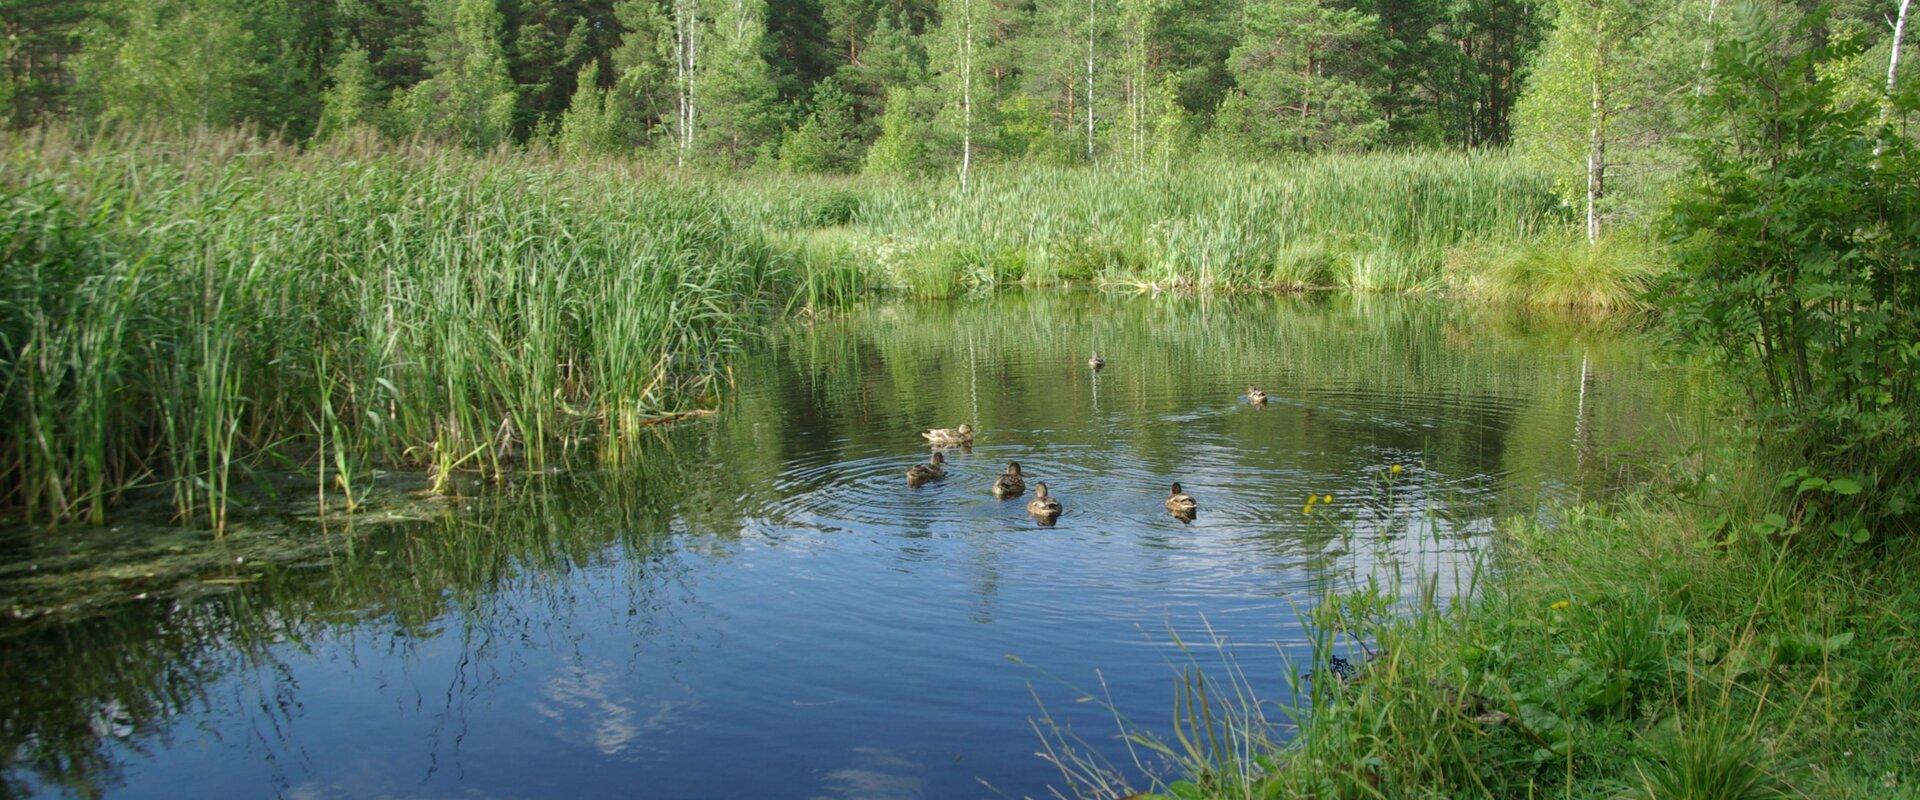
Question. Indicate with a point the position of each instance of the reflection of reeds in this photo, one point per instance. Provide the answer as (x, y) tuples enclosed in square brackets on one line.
[(120, 671)]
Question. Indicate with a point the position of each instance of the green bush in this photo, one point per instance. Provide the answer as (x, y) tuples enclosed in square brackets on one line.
[(1796, 239)]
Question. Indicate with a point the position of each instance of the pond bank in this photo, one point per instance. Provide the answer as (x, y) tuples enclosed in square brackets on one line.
[(1653, 647)]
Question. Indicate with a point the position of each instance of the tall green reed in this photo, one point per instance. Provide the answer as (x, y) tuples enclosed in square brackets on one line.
[(182, 309)]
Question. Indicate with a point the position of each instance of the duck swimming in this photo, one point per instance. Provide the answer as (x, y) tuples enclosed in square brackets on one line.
[(962, 435), (1256, 396), (920, 474), (1010, 483), (1179, 502), (1096, 362), (1043, 505)]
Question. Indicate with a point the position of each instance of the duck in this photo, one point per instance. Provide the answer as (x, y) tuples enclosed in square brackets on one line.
[(1257, 397), (1043, 505), (1179, 502), (1010, 483), (920, 474), (1096, 362), (962, 435)]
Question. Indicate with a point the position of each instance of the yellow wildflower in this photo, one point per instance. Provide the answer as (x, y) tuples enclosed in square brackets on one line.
[(1326, 498), (1561, 605), (1395, 469)]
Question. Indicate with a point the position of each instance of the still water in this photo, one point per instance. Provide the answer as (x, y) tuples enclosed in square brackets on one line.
[(755, 605)]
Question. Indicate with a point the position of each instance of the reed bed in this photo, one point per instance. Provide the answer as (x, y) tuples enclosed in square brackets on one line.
[(177, 311), (1376, 222), (182, 309)]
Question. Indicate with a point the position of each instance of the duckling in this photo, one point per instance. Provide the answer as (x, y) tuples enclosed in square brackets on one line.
[(962, 435), (1179, 502), (920, 474), (1010, 483), (1096, 362), (1256, 396), (1042, 505)]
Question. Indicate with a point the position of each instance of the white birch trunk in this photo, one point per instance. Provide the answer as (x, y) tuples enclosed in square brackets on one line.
[(1893, 68), (1596, 160), (1090, 23), (1706, 55), (686, 47), (966, 91)]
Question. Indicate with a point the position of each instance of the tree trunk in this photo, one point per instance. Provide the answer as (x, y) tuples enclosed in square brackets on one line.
[(966, 92), (1893, 67), (686, 46), (1700, 82), (1596, 163), (1090, 22)]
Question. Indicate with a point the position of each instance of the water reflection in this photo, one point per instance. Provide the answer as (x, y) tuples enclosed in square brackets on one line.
[(764, 590)]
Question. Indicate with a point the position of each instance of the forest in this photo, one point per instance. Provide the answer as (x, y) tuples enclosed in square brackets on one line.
[(1592, 92)]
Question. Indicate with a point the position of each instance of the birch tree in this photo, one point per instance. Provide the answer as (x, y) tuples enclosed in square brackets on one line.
[(1608, 78), (686, 52)]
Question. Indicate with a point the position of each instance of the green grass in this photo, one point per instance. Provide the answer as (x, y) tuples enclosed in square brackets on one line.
[(183, 310), (180, 311), (1379, 222), (1654, 648), (1558, 269)]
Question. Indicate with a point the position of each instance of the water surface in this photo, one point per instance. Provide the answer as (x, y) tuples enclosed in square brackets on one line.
[(757, 606)]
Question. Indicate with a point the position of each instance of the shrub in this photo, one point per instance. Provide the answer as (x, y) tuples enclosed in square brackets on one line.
[(1796, 238)]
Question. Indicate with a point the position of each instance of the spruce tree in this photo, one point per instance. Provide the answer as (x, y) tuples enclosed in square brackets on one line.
[(643, 66)]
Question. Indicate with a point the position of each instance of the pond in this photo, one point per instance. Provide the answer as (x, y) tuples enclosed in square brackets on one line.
[(756, 604)]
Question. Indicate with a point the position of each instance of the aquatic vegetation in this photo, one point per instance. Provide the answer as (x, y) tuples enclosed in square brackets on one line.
[(185, 310), (1317, 222), (1558, 269)]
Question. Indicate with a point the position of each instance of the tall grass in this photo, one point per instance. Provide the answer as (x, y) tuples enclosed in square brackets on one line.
[(1379, 222), (1557, 269), (175, 311)]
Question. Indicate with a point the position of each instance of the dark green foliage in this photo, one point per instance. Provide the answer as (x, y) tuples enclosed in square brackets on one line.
[(1796, 238), (36, 38)]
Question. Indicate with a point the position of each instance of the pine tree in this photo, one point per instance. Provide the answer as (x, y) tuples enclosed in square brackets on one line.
[(354, 99), (467, 97), (1297, 64)]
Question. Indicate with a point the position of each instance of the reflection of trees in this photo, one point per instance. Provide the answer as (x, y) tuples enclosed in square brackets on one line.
[(80, 689), (1466, 392), (1481, 391)]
